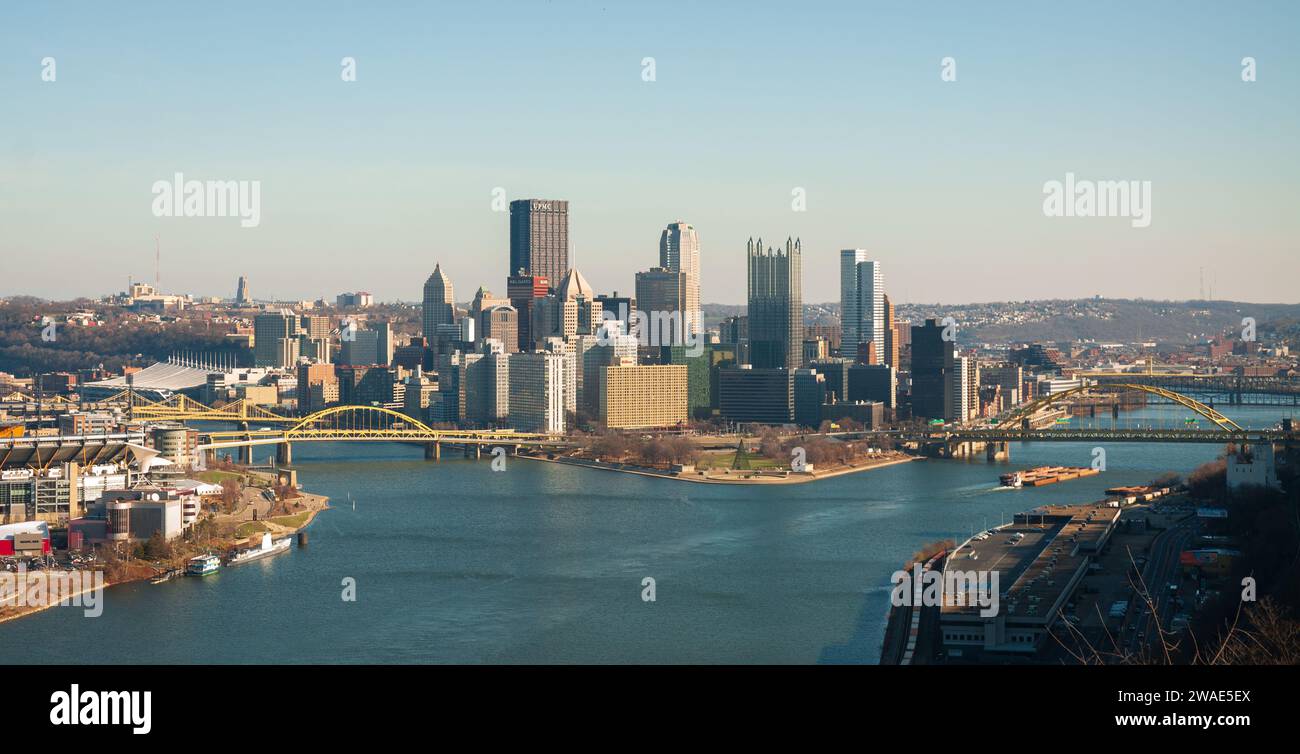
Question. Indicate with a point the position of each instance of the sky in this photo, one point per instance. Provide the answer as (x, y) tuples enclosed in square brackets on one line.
[(366, 184)]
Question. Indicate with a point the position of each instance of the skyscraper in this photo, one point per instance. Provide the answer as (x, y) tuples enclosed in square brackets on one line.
[(524, 290), (242, 295), (679, 251), (931, 359), (891, 335), (862, 303), (660, 297), (439, 303), (775, 305), (275, 339), (539, 238)]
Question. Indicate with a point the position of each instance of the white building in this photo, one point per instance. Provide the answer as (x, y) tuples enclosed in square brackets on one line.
[(862, 303), (537, 392), (1259, 468)]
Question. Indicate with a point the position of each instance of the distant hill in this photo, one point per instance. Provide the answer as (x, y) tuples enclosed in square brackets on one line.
[(1103, 320)]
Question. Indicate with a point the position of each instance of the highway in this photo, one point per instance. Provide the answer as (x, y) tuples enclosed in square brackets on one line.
[(1160, 570)]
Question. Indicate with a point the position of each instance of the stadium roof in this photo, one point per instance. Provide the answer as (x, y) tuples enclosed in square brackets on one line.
[(160, 377)]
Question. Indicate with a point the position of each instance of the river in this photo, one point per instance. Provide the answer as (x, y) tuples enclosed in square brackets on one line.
[(543, 563)]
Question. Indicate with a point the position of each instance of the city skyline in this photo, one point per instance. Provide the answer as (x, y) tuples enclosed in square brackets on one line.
[(940, 180)]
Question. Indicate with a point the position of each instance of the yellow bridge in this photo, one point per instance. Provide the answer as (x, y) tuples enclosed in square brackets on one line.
[(1015, 418), (373, 424)]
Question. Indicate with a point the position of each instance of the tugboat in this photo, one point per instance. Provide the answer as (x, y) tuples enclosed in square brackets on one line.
[(203, 565), (1013, 480), (266, 549)]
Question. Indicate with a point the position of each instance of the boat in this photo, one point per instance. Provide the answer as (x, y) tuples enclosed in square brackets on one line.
[(266, 549), (1044, 475), (165, 576), (203, 565)]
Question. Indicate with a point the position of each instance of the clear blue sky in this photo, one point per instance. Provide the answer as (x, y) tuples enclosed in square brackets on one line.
[(366, 185)]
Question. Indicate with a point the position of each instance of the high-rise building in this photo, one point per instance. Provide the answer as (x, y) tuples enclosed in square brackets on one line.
[(873, 382), (621, 308), (862, 303), (537, 392), (963, 381), (523, 290), (931, 360), (317, 387), (679, 251), (611, 346), (439, 302), (644, 396), (891, 334), (242, 296), (275, 339), (809, 395), (501, 322), (661, 298), (539, 238), (775, 305), (370, 346)]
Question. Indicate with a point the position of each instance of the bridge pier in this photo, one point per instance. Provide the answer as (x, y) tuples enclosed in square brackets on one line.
[(246, 453), (997, 451), (433, 451), (473, 450), (284, 454)]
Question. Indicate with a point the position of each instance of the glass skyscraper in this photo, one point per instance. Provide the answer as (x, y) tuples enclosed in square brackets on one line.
[(862, 304), (775, 305)]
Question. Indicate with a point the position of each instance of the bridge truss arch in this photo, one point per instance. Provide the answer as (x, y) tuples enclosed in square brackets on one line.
[(1038, 404)]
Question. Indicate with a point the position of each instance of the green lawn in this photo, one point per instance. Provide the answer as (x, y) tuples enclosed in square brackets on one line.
[(249, 528), (725, 460), (216, 477), (294, 521)]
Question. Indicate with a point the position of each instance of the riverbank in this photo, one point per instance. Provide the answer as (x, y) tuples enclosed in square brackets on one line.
[(130, 571), (732, 476)]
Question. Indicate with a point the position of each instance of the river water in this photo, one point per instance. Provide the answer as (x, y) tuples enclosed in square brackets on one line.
[(543, 563)]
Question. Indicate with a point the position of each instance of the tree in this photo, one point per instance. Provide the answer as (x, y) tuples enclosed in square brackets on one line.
[(157, 548)]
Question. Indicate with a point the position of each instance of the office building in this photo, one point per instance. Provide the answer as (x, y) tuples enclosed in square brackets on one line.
[(698, 382), (862, 304), (643, 396), (317, 387), (775, 305), (963, 388), (524, 291), (749, 394), (931, 359), (621, 308), (679, 251), (539, 238), (537, 392), (275, 339), (611, 346), (500, 323), (439, 303), (661, 300), (891, 335), (242, 294), (873, 382), (809, 395)]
